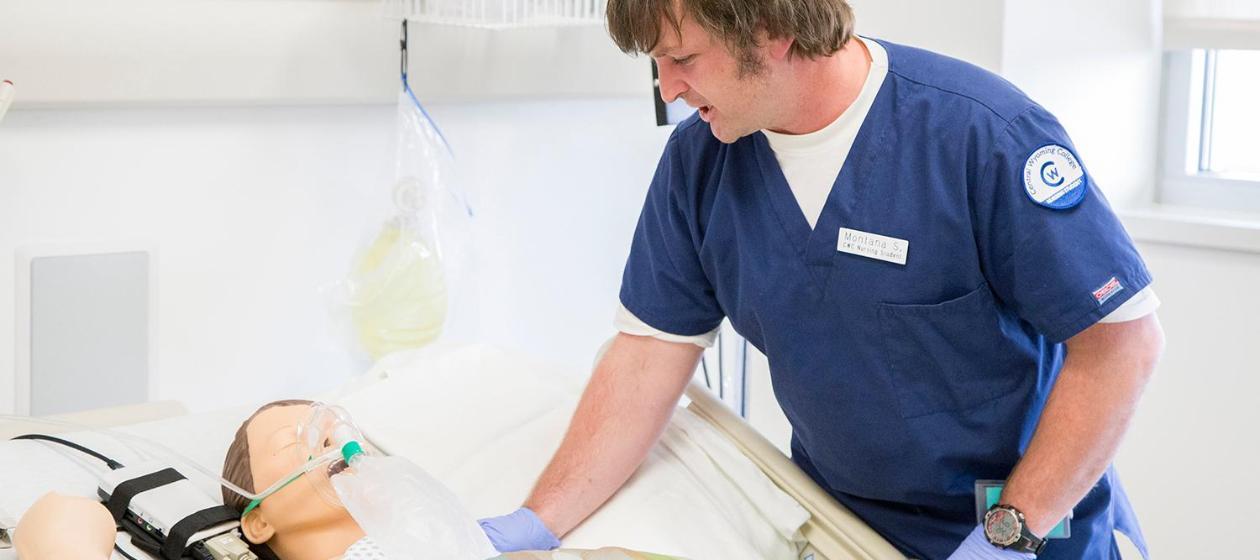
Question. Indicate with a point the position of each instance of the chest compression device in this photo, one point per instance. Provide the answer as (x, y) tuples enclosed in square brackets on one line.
[(168, 517)]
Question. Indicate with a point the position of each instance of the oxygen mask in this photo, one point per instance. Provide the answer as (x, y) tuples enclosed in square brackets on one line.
[(321, 447)]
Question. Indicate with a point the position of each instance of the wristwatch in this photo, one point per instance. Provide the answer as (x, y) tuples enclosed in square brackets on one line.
[(1005, 528)]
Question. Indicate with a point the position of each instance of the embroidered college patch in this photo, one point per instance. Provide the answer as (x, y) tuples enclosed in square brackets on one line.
[(1053, 177)]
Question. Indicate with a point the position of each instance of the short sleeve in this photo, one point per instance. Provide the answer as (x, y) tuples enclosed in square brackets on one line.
[(1052, 248), (664, 283), (625, 321)]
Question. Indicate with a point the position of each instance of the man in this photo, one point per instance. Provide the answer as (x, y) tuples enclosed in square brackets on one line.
[(942, 291)]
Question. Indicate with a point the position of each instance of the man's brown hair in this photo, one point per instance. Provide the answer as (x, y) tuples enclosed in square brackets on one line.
[(236, 467), (817, 27)]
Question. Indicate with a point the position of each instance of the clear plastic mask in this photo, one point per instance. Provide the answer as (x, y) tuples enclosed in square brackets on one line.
[(318, 452)]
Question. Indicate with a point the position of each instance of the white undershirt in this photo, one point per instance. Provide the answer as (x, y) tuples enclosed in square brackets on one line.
[(811, 162)]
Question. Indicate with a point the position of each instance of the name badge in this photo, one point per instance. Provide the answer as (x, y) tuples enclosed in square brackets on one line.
[(873, 245)]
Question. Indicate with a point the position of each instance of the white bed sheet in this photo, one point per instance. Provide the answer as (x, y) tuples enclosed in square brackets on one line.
[(485, 422), (696, 496)]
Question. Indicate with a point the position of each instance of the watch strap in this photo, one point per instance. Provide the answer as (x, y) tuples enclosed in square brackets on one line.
[(1027, 541)]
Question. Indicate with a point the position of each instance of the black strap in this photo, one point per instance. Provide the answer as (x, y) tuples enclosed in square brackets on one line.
[(177, 538), (121, 498), (1029, 542)]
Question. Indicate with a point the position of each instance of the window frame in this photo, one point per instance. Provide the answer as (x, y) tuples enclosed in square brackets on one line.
[(1182, 182)]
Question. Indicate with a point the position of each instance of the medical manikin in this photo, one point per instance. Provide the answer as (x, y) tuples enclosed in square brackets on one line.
[(309, 502)]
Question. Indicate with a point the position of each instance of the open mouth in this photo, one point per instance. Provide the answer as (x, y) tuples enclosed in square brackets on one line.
[(336, 467), (705, 112)]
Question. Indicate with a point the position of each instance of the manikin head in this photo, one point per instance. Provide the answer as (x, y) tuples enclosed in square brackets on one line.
[(296, 522), (738, 61)]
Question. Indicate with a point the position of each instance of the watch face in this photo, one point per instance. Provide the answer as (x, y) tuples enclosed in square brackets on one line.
[(1001, 527)]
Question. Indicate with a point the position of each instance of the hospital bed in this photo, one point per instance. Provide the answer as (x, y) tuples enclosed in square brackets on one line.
[(485, 421)]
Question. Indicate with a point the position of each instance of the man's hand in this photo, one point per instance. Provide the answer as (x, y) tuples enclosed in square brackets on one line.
[(519, 530), (977, 547)]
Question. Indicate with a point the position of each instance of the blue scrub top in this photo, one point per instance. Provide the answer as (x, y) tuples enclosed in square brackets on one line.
[(904, 384)]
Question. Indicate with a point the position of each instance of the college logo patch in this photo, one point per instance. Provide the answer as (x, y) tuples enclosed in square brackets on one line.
[(1111, 288), (1053, 177)]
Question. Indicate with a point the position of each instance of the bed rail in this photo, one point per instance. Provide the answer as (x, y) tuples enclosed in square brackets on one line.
[(833, 532)]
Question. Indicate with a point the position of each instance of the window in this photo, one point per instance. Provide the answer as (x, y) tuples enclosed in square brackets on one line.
[(1212, 129), (1230, 145)]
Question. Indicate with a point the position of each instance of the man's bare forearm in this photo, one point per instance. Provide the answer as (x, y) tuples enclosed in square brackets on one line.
[(1084, 420), (627, 403)]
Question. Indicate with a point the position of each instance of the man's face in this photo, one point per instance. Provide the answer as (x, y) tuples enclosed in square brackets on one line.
[(702, 71)]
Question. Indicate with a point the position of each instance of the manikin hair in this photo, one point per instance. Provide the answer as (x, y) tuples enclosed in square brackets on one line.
[(236, 467)]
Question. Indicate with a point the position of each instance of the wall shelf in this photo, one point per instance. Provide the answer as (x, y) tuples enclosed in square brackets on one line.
[(146, 53), (499, 14)]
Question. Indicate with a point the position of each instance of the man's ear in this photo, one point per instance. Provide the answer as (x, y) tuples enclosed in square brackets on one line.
[(778, 49), (256, 528)]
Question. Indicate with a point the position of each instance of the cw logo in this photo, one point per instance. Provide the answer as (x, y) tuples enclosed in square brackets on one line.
[(1050, 174)]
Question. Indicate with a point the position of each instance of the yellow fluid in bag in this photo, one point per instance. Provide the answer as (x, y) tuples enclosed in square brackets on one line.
[(401, 297)]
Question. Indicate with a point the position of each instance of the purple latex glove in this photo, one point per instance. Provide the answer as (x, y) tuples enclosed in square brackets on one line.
[(977, 547), (519, 530)]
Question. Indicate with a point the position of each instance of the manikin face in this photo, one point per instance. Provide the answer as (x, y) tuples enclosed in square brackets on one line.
[(702, 71), (274, 453)]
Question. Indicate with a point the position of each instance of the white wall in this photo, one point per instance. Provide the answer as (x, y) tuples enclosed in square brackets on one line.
[(561, 186), (158, 52), (1193, 444), (253, 210), (968, 29), (1095, 65), (251, 143)]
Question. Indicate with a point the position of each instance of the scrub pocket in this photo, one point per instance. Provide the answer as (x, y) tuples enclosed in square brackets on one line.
[(951, 355)]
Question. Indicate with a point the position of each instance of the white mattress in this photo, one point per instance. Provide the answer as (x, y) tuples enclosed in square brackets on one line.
[(485, 422)]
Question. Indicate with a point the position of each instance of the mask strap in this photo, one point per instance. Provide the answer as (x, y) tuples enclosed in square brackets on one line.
[(254, 503), (311, 461)]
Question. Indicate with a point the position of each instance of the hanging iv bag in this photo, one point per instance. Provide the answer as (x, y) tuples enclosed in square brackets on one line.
[(412, 280)]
